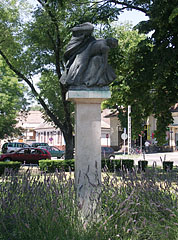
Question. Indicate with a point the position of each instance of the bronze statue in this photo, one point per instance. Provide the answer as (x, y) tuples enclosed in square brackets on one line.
[(87, 59)]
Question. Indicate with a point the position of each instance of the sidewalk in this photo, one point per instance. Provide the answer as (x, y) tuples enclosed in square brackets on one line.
[(152, 158)]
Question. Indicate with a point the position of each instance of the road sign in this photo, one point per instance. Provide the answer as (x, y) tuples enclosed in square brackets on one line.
[(124, 136)]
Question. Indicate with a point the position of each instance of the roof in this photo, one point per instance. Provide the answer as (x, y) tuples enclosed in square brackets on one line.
[(44, 125), (112, 113), (31, 118), (34, 120)]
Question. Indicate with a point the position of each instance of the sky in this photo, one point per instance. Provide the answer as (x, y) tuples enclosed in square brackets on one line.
[(133, 17)]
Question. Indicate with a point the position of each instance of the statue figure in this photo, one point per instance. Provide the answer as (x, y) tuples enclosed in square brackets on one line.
[(86, 59)]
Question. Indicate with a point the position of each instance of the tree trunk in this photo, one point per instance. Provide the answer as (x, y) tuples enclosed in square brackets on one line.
[(68, 137)]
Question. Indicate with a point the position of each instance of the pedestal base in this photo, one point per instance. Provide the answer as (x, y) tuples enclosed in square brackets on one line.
[(87, 145)]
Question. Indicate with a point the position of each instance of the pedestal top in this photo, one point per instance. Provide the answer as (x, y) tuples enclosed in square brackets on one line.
[(88, 96)]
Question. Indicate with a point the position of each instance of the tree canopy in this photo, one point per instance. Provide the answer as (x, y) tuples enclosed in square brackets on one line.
[(151, 82), (12, 101), (35, 44)]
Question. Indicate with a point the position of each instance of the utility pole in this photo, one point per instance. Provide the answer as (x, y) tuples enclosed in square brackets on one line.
[(129, 129)]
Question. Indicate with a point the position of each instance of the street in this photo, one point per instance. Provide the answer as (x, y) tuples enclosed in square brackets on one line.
[(152, 158)]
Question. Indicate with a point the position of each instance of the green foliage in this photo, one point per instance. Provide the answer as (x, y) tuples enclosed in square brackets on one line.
[(66, 165), (132, 207), (168, 165), (12, 101), (163, 61), (142, 165), (128, 89), (8, 166), (154, 71), (53, 165), (35, 108), (117, 165), (146, 67)]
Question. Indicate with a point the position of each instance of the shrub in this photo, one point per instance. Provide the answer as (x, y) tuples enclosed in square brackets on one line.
[(9, 165), (115, 164), (142, 165), (168, 165), (127, 164), (52, 165), (66, 165)]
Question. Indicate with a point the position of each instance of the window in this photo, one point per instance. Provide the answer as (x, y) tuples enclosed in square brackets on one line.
[(44, 151), (22, 151)]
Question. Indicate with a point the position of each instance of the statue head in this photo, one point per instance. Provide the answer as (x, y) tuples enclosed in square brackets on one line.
[(112, 42), (83, 29)]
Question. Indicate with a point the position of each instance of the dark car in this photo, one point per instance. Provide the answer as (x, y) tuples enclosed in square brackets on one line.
[(36, 144), (107, 153), (9, 147), (26, 155), (54, 151)]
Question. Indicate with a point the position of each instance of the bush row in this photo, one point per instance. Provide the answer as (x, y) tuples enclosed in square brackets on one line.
[(69, 165), (9, 165), (66, 165), (52, 165), (117, 164)]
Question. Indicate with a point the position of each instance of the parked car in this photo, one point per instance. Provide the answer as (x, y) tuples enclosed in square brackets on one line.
[(13, 146), (107, 153), (36, 144), (54, 151), (26, 155)]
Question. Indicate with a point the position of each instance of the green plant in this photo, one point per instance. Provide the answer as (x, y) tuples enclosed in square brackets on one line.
[(9, 165), (52, 165), (168, 165), (117, 164), (142, 165), (132, 207)]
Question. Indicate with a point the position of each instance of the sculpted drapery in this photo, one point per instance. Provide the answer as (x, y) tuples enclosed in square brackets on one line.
[(87, 59)]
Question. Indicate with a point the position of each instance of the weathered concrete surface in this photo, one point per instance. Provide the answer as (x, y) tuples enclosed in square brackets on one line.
[(87, 146)]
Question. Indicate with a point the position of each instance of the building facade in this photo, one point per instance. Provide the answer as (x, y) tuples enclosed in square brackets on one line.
[(35, 129)]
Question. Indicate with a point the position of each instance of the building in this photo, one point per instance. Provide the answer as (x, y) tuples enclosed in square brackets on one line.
[(37, 130), (29, 122), (173, 128), (171, 133), (115, 129), (47, 133)]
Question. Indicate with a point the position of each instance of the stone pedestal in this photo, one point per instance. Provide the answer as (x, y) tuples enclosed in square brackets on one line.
[(87, 144)]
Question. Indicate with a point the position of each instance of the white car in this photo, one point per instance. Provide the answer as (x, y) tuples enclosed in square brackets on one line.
[(13, 146)]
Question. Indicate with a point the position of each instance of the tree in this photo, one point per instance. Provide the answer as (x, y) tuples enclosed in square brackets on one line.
[(38, 47), (163, 60), (12, 101), (154, 70), (126, 88)]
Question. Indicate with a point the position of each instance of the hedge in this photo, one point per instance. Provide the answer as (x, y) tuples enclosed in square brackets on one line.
[(115, 164), (9, 165), (52, 165), (109, 165), (167, 165), (142, 165)]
